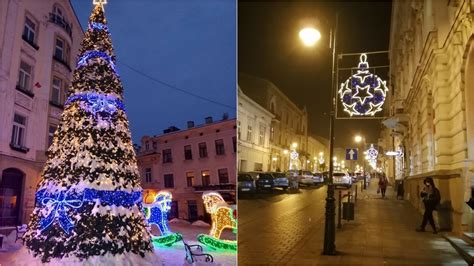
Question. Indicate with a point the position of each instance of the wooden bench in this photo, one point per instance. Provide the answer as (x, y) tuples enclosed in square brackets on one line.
[(20, 231), (197, 252)]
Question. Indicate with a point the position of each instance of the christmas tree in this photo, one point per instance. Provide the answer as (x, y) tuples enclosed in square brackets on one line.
[(89, 200)]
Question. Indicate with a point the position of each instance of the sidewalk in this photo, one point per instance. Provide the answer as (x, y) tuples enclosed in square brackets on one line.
[(383, 233)]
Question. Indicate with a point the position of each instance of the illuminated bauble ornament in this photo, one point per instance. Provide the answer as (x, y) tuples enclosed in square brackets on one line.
[(222, 216), (294, 155), (372, 153), (363, 94)]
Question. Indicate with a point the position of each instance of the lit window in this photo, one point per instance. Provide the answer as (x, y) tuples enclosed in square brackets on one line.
[(206, 178), (261, 135)]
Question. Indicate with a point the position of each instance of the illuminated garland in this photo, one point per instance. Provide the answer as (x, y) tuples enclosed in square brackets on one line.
[(351, 90), (157, 213), (228, 245), (58, 204), (95, 54), (97, 26), (222, 217), (97, 103)]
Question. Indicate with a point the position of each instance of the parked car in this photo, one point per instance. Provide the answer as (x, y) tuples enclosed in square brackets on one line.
[(341, 179), (318, 178), (306, 178), (280, 180), (245, 182), (264, 181)]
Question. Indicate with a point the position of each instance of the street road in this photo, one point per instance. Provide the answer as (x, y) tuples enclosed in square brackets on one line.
[(272, 224)]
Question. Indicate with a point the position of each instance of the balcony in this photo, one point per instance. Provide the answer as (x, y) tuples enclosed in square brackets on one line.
[(219, 187), (61, 22), (25, 91)]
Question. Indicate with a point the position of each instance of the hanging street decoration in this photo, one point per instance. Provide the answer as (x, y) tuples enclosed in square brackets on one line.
[(363, 94), (222, 216), (157, 213), (371, 156)]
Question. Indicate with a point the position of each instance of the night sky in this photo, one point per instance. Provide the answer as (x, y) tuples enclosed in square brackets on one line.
[(189, 44), (269, 47)]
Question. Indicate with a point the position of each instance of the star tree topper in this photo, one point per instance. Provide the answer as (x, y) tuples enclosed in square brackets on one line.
[(363, 94)]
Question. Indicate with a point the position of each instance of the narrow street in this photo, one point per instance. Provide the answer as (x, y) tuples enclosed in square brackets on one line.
[(289, 229)]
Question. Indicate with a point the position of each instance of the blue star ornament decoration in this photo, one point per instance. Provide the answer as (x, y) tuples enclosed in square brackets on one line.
[(363, 94)]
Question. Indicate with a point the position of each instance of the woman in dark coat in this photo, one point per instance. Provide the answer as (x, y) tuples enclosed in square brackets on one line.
[(431, 198)]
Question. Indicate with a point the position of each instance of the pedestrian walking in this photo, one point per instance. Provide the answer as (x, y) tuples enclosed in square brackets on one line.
[(431, 198), (383, 182)]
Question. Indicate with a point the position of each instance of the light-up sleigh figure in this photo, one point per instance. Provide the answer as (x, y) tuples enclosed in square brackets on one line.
[(157, 213), (222, 216)]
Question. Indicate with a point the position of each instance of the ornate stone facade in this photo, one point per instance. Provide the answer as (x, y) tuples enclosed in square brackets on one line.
[(432, 96)]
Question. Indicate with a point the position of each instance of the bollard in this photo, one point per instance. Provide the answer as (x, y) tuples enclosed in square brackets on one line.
[(339, 210)]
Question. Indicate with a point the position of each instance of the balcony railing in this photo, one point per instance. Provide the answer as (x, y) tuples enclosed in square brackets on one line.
[(61, 22), (219, 187)]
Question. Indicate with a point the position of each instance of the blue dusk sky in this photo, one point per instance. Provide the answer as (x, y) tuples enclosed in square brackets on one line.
[(189, 44)]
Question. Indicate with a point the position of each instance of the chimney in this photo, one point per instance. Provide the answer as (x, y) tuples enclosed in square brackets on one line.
[(208, 119), (225, 116), (190, 124), (170, 129)]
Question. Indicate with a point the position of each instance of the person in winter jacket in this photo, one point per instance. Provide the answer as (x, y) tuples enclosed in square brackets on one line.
[(383, 182), (431, 198)]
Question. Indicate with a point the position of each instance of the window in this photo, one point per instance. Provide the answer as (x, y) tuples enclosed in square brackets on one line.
[(249, 132), (272, 133), (206, 178), (148, 175), (190, 179), (24, 77), (223, 176), (220, 147), (52, 129), (147, 145), (19, 130), (188, 153), (234, 144), (202, 150), (29, 31), (56, 91), (261, 135), (169, 181), (61, 50), (238, 129), (58, 12), (167, 156)]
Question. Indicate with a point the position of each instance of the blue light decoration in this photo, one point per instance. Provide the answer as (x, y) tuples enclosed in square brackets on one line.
[(363, 94), (97, 26), (157, 213), (59, 204), (94, 54), (97, 103)]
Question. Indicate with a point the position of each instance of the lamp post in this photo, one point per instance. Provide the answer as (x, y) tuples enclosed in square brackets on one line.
[(358, 139), (310, 36)]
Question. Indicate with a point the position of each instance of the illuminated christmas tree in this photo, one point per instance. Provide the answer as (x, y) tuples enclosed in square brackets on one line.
[(89, 200)]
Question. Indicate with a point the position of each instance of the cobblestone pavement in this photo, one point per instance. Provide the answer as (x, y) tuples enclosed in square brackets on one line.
[(289, 229)]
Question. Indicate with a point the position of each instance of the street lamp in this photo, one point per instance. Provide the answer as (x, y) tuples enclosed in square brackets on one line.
[(308, 36), (358, 139)]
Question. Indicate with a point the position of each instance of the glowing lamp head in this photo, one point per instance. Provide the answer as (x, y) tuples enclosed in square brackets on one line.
[(358, 138), (309, 36), (294, 145), (285, 151)]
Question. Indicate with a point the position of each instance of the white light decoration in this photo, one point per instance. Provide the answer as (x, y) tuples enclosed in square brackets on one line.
[(99, 2), (363, 94), (372, 153)]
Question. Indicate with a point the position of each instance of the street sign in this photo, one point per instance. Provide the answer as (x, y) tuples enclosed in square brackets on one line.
[(351, 154)]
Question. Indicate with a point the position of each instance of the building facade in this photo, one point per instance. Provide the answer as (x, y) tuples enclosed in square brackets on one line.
[(289, 124), (189, 162), (39, 41), (253, 134), (432, 103), (318, 154)]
